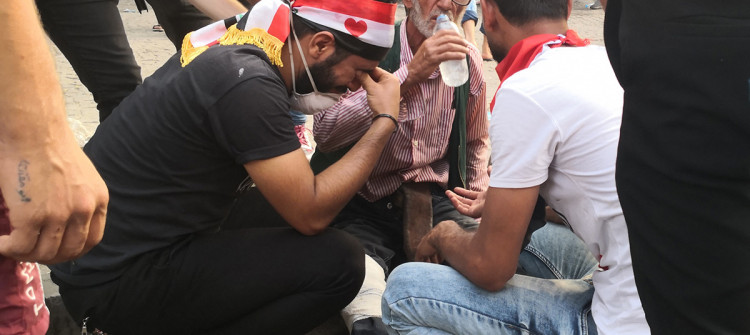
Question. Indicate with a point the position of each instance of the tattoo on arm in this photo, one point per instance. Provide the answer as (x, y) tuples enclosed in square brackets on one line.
[(23, 178)]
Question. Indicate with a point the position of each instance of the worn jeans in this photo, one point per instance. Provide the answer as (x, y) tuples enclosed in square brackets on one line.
[(552, 297)]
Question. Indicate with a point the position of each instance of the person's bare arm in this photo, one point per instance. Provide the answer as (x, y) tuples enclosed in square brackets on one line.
[(219, 9), (487, 257), (310, 202), (57, 201)]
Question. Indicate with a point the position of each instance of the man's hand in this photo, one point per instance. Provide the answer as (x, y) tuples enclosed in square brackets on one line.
[(57, 205), (467, 202), (428, 250), (443, 45), (383, 93), (57, 201)]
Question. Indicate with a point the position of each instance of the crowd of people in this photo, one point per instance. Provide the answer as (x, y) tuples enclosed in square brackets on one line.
[(609, 193)]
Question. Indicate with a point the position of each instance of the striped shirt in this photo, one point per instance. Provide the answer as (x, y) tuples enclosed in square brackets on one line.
[(416, 153)]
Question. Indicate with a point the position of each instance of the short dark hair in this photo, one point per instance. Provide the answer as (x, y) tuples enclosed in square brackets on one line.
[(521, 12), (344, 42)]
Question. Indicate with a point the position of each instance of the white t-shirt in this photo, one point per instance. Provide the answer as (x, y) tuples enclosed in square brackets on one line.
[(557, 124)]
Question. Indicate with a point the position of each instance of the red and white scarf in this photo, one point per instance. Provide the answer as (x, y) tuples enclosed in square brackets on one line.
[(267, 25), (525, 51)]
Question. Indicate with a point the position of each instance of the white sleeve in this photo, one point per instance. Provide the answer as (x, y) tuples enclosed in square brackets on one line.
[(524, 138)]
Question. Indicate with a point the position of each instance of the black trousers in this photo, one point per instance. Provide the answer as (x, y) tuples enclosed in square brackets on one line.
[(91, 36), (178, 18), (237, 281), (683, 165)]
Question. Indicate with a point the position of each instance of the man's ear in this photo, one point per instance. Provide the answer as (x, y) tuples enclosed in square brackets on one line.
[(322, 44), (489, 13), (570, 9)]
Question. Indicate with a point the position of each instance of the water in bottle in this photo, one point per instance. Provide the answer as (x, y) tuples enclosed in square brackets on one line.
[(454, 72)]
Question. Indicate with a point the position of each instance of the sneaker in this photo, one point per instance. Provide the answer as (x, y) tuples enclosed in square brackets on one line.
[(304, 135)]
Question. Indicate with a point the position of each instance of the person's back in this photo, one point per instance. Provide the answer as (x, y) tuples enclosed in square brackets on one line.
[(571, 96), (176, 175)]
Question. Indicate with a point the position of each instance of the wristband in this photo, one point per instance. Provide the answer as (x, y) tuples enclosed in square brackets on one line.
[(395, 122)]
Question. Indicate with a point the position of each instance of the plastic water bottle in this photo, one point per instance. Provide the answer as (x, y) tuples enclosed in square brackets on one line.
[(455, 72)]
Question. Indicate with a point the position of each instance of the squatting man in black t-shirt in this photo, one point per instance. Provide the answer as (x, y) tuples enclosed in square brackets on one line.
[(212, 120)]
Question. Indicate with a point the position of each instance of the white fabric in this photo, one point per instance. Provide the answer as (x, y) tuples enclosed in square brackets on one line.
[(367, 302), (375, 33), (557, 124)]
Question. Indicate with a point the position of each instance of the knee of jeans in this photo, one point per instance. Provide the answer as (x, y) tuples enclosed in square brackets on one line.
[(402, 279)]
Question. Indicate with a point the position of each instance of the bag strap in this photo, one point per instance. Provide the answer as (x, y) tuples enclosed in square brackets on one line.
[(457, 140)]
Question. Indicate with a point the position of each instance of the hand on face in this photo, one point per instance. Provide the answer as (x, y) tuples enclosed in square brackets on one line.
[(443, 45), (383, 91)]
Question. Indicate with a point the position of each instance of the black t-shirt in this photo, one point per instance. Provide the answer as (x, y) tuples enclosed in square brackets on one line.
[(172, 153)]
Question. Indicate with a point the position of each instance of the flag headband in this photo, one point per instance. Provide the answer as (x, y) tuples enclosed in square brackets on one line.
[(267, 26)]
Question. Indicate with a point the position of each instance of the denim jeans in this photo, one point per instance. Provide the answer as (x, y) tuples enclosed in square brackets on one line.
[(553, 296)]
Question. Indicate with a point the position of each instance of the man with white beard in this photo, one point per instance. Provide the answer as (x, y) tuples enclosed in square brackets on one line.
[(416, 154)]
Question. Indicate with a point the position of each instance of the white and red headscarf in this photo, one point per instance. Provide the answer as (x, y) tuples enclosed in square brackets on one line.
[(267, 25)]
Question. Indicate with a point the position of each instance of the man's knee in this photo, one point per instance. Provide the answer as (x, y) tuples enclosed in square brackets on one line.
[(342, 261)]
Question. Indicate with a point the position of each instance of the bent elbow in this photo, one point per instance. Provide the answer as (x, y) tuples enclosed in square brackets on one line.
[(492, 285), (493, 281)]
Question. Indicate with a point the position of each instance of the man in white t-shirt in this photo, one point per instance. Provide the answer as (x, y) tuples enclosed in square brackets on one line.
[(554, 132)]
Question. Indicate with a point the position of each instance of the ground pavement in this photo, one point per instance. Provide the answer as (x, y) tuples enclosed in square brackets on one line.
[(152, 49)]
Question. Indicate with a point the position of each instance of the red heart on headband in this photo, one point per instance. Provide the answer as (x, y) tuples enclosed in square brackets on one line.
[(356, 28)]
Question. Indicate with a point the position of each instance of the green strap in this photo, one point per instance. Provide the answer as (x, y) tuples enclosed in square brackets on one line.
[(457, 142)]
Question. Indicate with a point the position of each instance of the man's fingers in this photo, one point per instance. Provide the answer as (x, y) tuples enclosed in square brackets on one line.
[(19, 244), (365, 79), (48, 244), (73, 240), (459, 200), (96, 227), (377, 74), (466, 193)]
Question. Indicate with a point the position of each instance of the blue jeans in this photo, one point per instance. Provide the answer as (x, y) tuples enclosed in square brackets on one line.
[(552, 297)]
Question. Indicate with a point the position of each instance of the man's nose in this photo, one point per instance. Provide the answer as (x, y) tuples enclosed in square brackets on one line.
[(446, 5)]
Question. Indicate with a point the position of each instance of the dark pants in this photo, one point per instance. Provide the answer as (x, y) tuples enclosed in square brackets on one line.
[(379, 225), (236, 281), (91, 36), (178, 18), (683, 165)]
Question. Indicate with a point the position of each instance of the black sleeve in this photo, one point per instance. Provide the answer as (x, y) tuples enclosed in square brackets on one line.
[(251, 121)]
